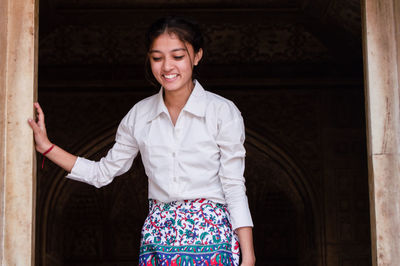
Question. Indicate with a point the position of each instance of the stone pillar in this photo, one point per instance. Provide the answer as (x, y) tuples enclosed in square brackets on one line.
[(18, 71), (381, 24)]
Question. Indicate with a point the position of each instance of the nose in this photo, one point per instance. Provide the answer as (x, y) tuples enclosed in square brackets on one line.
[(167, 65)]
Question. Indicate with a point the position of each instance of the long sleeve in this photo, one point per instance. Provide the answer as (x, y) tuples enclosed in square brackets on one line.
[(117, 161), (230, 140)]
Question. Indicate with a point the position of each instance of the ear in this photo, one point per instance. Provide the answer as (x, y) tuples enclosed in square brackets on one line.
[(198, 56)]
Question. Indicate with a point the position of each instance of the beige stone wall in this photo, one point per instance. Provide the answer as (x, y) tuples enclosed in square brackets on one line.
[(18, 51), (382, 53), (3, 56)]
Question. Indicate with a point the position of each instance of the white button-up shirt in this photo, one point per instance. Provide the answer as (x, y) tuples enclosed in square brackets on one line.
[(202, 156)]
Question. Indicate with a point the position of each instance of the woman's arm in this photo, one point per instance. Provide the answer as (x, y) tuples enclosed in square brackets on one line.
[(57, 155), (245, 235), (230, 140), (117, 161)]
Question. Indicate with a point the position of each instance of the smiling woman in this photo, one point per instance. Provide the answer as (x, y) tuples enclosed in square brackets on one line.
[(192, 146)]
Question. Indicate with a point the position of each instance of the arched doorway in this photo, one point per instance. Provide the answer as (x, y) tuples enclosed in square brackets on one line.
[(294, 70)]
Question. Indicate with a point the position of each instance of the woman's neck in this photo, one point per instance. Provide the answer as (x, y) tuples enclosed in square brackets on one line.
[(178, 98)]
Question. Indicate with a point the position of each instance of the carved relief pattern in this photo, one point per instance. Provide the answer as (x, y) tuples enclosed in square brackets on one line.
[(225, 44), (278, 42), (169, 3), (347, 14), (93, 45)]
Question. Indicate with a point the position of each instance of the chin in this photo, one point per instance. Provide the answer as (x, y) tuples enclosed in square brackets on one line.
[(169, 88)]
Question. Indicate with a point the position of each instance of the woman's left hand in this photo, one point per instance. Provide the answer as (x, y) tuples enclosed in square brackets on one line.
[(245, 235)]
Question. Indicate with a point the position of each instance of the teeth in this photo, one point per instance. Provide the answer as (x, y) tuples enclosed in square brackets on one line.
[(170, 76)]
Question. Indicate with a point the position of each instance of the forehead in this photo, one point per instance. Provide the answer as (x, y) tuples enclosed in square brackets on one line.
[(168, 42)]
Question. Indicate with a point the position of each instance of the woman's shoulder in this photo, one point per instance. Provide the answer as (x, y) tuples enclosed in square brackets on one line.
[(223, 107)]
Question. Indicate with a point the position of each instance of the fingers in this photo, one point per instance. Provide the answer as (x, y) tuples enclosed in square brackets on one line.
[(40, 115), (38, 108), (33, 125), (37, 125), (39, 130)]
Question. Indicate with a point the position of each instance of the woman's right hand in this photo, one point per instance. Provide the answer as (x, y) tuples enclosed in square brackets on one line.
[(39, 130)]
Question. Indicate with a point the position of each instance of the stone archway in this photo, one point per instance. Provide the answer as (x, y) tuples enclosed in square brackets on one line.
[(285, 206), (82, 224), (109, 219)]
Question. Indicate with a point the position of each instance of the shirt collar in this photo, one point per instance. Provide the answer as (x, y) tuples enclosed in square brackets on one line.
[(195, 105), (158, 106)]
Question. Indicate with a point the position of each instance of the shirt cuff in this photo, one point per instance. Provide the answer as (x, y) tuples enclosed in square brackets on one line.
[(240, 215), (82, 168)]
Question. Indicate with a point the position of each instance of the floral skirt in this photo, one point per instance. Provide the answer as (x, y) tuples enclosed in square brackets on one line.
[(191, 232)]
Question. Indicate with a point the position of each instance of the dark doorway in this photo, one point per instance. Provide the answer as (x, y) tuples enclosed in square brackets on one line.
[(294, 68)]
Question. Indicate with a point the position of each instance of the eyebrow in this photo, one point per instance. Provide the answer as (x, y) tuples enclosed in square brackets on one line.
[(174, 50)]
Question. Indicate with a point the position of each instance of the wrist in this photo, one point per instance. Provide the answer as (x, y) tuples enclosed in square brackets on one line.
[(248, 260), (44, 149), (45, 153)]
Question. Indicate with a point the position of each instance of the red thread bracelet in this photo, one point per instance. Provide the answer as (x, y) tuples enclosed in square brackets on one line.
[(46, 152)]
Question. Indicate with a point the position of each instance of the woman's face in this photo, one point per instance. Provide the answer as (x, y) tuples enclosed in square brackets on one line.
[(172, 62)]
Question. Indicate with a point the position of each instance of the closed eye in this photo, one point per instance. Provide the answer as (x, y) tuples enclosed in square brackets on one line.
[(178, 57), (156, 59)]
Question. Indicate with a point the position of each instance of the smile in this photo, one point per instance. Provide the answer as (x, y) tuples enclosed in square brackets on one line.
[(171, 76)]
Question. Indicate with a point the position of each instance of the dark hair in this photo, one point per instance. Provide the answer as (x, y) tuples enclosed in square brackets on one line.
[(186, 30)]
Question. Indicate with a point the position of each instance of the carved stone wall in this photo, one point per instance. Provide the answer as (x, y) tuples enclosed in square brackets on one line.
[(275, 42), (306, 178), (104, 41), (176, 3)]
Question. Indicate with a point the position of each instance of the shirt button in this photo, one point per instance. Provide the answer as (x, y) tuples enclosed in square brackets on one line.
[(173, 154)]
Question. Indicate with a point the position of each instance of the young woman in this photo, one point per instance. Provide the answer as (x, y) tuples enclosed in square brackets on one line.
[(191, 143)]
